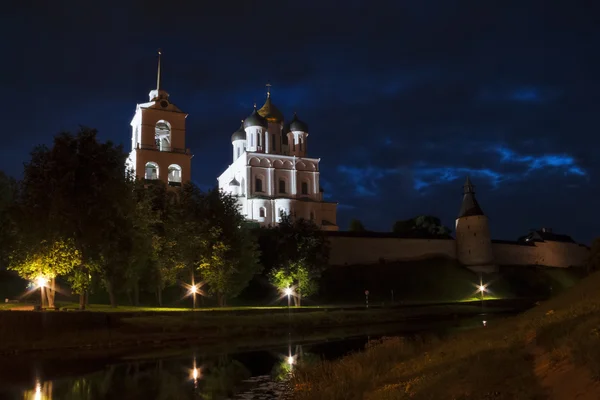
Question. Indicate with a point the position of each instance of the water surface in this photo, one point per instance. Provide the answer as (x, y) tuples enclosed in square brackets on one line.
[(198, 373)]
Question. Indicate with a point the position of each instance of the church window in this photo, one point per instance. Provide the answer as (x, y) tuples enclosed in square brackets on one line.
[(251, 140), (304, 187), (281, 186), (151, 171), (300, 144), (162, 135), (261, 212), (238, 152), (174, 176), (258, 139), (273, 142), (258, 185)]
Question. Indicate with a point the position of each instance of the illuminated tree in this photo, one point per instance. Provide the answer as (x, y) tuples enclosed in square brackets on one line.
[(77, 191), (230, 256), (44, 263), (302, 253)]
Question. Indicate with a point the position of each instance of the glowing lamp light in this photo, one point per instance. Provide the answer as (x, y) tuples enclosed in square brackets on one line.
[(38, 391), (195, 374), (290, 360), (194, 289), (481, 288), (41, 281), (288, 291)]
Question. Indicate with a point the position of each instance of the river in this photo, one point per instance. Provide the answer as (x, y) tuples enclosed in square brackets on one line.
[(225, 372)]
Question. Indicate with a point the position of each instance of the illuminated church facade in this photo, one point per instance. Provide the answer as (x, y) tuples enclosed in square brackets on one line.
[(271, 173)]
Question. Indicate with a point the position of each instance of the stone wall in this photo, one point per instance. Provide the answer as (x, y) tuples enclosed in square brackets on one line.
[(550, 254), (371, 249)]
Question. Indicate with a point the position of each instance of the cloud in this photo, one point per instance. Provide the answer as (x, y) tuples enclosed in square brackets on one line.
[(365, 181), (563, 162), (502, 165)]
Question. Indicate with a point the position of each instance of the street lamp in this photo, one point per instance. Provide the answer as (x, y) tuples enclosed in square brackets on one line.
[(193, 291), (41, 283), (288, 292)]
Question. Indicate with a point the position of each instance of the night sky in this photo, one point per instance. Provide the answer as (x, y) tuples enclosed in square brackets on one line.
[(403, 99)]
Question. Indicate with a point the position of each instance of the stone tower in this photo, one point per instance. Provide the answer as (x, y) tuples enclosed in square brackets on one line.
[(158, 149), (473, 242)]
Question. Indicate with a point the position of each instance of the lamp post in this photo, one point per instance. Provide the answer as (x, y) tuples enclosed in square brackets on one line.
[(41, 283), (481, 288), (288, 292), (194, 290)]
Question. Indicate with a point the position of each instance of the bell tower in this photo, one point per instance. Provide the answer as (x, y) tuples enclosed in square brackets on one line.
[(158, 149)]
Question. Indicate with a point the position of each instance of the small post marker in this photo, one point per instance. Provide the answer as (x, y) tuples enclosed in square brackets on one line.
[(367, 298)]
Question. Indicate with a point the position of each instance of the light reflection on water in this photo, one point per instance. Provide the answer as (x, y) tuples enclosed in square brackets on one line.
[(195, 375)]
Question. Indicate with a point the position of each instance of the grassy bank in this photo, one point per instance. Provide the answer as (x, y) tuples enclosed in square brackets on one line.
[(439, 280), (551, 351), (26, 330)]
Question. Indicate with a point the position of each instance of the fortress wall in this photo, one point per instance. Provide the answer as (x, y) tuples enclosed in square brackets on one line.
[(564, 255), (550, 254), (370, 250), (515, 254)]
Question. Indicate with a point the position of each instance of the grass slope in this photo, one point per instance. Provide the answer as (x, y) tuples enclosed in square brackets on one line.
[(438, 280), (551, 351)]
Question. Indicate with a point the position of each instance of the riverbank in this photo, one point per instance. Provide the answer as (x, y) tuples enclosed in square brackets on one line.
[(27, 331), (551, 351)]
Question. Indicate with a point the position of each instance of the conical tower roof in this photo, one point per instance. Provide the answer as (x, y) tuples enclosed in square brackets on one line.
[(470, 206)]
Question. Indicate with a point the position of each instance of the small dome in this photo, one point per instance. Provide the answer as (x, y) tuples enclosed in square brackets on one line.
[(234, 182), (240, 134), (255, 120), (297, 125)]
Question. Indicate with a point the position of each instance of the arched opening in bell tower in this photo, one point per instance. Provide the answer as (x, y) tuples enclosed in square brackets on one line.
[(151, 171), (174, 176), (163, 135)]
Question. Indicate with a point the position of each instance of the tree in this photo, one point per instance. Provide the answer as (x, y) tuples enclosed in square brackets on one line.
[(422, 226), (303, 253), (90, 205), (44, 263), (185, 234), (356, 226), (230, 253)]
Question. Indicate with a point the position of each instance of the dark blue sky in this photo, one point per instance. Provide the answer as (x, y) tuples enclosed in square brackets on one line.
[(404, 99)]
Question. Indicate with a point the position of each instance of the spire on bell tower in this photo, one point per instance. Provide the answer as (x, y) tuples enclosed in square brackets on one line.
[(158, 74), (159, 93)]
